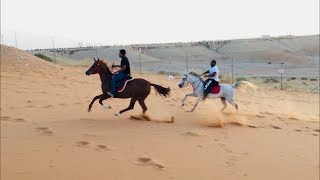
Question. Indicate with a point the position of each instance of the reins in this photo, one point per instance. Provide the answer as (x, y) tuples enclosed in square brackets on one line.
[(192, 83)]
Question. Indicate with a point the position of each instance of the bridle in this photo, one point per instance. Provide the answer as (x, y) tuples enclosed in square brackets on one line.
[(192, 83)]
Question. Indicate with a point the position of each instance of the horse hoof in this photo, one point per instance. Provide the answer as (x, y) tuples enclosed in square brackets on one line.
[(89, 110), (182, 105), (106, 106), (117, 114)]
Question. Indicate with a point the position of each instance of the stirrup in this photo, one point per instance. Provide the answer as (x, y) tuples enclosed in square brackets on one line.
[(110, 94)]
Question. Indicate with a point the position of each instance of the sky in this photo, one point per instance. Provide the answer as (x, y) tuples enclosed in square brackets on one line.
[(66, 23)]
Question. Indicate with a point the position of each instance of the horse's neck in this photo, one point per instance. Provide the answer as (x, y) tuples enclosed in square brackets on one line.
[(194, 80), (105, 75), (197, 85)]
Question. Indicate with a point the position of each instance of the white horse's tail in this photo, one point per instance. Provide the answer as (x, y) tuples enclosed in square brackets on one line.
[(243, 85)]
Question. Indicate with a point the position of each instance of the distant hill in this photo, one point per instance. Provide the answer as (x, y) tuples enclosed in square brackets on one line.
[(260, 56)]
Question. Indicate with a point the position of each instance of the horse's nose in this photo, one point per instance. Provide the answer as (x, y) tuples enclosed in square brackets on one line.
[(180, 86), (87, 73)]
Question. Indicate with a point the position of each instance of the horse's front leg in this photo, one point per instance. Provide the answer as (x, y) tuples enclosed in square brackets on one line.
[(102, 98), (93, 100), (185, 98), (195, 105)]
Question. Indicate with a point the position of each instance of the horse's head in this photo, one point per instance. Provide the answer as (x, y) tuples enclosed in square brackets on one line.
[(98, 67), (184, 80), (189, 78)]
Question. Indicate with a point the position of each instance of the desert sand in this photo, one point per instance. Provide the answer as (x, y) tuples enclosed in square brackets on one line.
[(47, 133)]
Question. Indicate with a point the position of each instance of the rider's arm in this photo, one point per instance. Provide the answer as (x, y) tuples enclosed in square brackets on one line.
[(205, 73), (213, 74), (123, 67), (116, 65)]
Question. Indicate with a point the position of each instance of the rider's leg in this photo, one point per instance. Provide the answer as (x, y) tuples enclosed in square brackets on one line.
[(215, 83), (207, 88), (115, 79)]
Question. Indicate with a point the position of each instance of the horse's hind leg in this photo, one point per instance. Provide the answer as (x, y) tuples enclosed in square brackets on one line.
[(144, 109), (131, 106), (223, 100), (143, 105), (233, 103)]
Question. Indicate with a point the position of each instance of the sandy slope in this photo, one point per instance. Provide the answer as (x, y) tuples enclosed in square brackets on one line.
[(47, 133), (253, 57)]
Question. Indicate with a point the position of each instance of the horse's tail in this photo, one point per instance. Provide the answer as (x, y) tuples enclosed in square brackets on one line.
[(161, 90), (243, 85)]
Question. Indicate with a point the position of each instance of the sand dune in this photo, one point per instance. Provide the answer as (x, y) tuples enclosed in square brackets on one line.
[(47, 133)]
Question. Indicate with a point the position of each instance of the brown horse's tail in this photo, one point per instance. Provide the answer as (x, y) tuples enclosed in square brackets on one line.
[(161, 90)]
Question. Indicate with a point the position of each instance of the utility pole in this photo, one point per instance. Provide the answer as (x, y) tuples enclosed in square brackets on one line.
[(15, 38), (140, 58), (232, 69), (187, 63), (54, 51), (281, 72)]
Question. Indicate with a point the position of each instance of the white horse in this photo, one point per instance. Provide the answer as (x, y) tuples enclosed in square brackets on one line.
[(226, 93)]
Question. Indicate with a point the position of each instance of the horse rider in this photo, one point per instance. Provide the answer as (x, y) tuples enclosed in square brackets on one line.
[(122, 73), (213, 79)]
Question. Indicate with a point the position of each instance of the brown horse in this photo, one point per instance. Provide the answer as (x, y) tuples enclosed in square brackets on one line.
[(136, 89)]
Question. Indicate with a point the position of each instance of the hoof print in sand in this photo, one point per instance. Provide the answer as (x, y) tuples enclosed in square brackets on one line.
[(102, 147), (82, 143), (260, 116), (44, 131), (7, 118), (194, 133), (251, 126), (145, 161), (48, 106), (275, 127)]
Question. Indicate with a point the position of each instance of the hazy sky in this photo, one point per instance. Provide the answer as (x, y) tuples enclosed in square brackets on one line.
[(145, 21)]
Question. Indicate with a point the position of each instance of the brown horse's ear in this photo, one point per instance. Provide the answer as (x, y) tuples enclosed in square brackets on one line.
[(94, 59), (98, 59)]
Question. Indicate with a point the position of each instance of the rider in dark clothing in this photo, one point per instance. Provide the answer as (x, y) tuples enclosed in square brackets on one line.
[(122, 73), (213, 79)]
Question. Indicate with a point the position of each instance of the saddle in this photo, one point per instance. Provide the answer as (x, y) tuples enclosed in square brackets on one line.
[(215, 89), (121, 85)]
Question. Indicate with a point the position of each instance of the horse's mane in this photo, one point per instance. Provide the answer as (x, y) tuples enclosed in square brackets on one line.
[(195, 74), (105, 65)]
